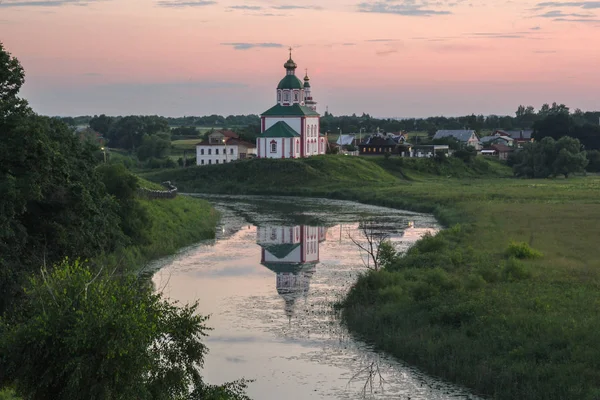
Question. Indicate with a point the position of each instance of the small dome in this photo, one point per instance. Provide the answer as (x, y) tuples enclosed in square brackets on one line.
[(290, 64), (290, 82)]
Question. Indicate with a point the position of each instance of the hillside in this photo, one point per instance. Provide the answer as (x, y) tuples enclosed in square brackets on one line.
[(324, 173)]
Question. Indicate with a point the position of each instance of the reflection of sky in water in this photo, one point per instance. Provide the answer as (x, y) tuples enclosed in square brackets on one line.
[(268, 282)]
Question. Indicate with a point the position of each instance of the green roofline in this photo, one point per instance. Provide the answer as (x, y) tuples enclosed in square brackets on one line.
[(293, 110)]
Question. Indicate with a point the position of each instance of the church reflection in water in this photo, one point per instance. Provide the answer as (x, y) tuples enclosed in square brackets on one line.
[(292, 252)]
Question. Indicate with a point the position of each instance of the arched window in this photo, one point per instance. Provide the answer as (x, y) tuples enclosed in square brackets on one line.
[(279, 95), (286, 96), (273, 147), (296, 96)]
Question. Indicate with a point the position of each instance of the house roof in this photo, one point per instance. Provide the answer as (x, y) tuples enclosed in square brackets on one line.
[(239, 142), (344, 140), (228, 142), (293, 110), (460, 135), (279, 130), (524, 134), (501, 148), (487, 139), (229, 134), (379, 141)]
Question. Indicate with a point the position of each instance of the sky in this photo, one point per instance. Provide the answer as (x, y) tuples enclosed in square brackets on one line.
[(388, 58)]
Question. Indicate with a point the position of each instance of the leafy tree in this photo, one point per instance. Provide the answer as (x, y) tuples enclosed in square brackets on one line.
[(593, 157), (52, 203), (569, 157), (156, 146), (85, 335), (466, 154), (101, 124), (550, 158)]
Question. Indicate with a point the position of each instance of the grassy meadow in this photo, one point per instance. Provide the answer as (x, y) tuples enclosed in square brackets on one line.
[(505, 301)]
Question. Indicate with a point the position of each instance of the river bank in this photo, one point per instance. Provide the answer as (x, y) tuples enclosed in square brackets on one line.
[(457, 305), (172, 224)]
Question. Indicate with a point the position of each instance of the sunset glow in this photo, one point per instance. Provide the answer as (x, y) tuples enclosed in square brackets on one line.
[(399, 58)]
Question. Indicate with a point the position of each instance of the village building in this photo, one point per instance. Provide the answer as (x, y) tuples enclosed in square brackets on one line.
[(465, 137), (291, 128), (292, 252), (427, 150), (497, 139), (222, 147), (520, 137), (378, 145), (502, 151)]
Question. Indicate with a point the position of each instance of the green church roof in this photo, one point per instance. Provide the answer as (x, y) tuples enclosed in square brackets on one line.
[(281, 250), (279, 130), (293, 268), (290, 82), (293, 110)]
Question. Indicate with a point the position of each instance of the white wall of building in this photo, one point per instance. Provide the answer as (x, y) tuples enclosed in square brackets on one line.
[(284, 147), (216, 154)]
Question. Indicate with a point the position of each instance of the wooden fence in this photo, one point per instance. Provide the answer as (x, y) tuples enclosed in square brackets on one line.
[(151, 194)]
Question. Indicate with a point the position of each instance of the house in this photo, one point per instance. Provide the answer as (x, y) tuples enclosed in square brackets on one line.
[(497, 139), (290, 129), (221, 147), (377, 145), (520, 137), (466, 137), (502, 150), (426, 151)]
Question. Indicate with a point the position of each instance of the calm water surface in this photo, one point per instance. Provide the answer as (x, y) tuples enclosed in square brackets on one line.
[(268, 282)]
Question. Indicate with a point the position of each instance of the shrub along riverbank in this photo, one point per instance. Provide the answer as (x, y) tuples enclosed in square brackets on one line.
[(509, 321)]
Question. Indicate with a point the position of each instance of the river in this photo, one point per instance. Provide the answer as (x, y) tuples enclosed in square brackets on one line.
[(269, 281)]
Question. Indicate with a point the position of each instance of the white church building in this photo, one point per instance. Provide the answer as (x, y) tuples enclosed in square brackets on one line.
[(290, 129)]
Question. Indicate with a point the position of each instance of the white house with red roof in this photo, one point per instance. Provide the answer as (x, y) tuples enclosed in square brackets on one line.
[(222, 147), (290, 129)]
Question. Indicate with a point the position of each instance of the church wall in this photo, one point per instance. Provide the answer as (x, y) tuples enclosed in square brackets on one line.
[(283, 147), (278, 234), (311, 138)]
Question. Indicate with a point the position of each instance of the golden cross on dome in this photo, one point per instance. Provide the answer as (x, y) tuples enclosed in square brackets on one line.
[(290, 52)]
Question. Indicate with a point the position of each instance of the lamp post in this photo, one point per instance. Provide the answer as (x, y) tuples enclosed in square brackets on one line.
[(103, 152), (225, 143)]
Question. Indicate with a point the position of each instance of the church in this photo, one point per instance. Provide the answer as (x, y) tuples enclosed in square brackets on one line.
[(290, 129)]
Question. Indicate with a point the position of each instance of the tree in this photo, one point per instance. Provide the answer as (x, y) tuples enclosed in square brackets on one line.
[(52, 203), (569, 157), (550, 158), (377, 247), (86, 335), (101, 124)]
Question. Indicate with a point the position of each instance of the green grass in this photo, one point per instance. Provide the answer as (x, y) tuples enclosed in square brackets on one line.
[(510, 321), (175, 223), (185, 144)]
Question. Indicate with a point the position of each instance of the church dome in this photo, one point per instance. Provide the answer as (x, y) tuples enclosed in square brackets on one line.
[(290, 64), (290, 82), (306, 81)]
